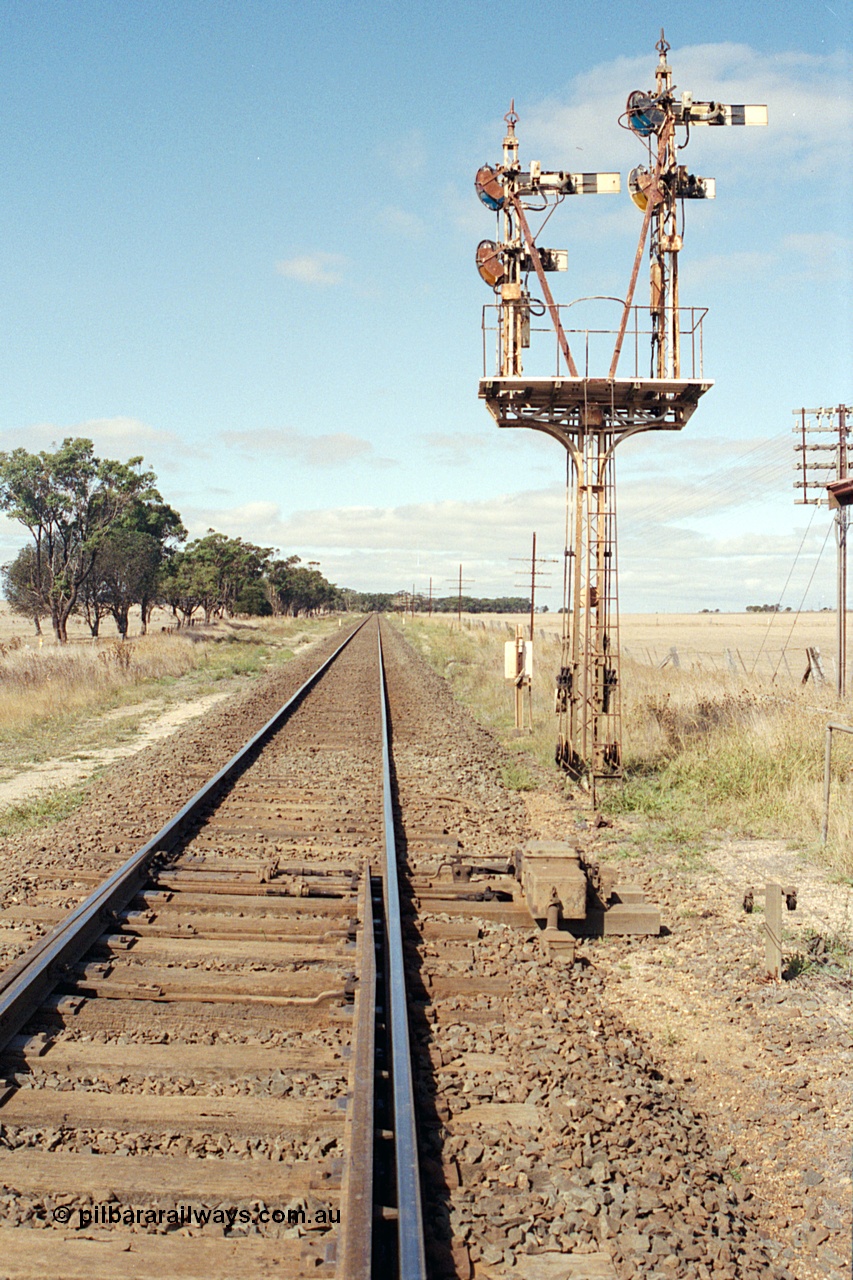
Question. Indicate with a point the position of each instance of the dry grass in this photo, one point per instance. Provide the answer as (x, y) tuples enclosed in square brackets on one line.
[(703, 750), (745, 756), (47, 693), (42, 684)]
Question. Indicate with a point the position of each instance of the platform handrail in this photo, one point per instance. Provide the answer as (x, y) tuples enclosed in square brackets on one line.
[(641, 326)]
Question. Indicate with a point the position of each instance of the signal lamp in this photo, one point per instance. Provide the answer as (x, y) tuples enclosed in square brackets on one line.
[(489, 188)]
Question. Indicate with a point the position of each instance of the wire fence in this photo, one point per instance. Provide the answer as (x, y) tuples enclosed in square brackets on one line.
[(796, 664)]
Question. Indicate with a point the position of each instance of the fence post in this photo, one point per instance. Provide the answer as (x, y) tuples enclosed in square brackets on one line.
[(827, 766), (773, 931)]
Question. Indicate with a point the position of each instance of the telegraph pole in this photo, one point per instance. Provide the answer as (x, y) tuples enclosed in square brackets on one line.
[(459, 582), (532, 586), (841, 523), (819, 456), (535, 575), (518, 654)]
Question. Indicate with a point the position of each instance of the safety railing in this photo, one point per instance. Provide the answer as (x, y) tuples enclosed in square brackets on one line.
[(592, 345)]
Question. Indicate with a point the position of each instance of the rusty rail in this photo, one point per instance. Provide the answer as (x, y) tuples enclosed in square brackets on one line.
[(410, 1230), (355, 1253), (24, 987)]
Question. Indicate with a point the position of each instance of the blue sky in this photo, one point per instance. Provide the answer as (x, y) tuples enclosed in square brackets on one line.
[(238, 238)]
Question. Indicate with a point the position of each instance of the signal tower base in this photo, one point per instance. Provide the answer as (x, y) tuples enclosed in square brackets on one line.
[(590, 416)]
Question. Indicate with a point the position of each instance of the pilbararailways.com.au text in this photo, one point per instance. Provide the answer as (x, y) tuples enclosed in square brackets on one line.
[(188, 1215)]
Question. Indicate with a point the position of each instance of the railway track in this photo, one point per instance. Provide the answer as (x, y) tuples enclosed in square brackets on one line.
[(226, 1040), (218, 995)]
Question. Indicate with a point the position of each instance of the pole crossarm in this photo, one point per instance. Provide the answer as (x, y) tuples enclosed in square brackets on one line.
[(823, 476)]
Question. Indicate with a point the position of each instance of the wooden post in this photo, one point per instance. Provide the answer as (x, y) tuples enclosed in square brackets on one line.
[(773, 931), (519, 680), (827, 767), (841, 539)]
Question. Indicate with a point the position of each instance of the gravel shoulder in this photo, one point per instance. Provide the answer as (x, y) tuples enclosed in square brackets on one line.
[(48, 870)]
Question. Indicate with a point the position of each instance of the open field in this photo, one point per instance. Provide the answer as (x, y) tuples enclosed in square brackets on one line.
[(754, 641), (727, 749)]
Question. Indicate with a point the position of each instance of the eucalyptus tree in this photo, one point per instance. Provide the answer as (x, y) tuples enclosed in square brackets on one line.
[(69, 500), (19, 581)]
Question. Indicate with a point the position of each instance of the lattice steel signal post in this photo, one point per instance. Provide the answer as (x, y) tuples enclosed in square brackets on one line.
[(587, 411)]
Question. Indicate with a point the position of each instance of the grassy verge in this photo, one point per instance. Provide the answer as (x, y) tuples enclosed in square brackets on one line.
[(57, 702), (42, 811), (744, 760), (703, 752)]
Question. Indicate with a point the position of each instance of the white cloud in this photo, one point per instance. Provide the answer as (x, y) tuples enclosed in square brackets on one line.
[(447, 527), (402, 223), (664, 563), (13, 536), (457, 448), (405, 157), (120, 437), (334, 449), (313, 268), (808, 96), (818, 255), (741, 266)]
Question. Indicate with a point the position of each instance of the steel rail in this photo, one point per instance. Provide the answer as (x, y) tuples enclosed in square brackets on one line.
[(27, 983), (355, 1249), (410, 1231)]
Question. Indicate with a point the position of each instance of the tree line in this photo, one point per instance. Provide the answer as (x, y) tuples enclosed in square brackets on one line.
[(390, 602), (104, 540)]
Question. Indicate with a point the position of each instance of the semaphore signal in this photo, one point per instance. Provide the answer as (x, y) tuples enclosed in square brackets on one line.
[(588, 412)]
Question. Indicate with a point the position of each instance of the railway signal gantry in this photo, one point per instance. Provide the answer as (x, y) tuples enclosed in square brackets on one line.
[(587, 411)]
